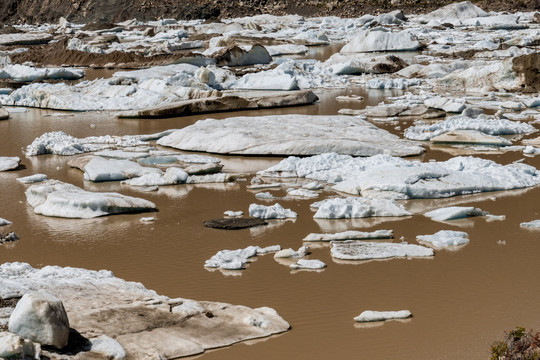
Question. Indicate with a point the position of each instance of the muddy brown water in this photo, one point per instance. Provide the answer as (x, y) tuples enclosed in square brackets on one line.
[(461, 300)]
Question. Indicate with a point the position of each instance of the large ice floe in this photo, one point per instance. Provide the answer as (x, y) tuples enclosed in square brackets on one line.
[(59, 199), (486, 125), (350, 235), (445, 238), (289, 135), (100, 305), (393, 177), (357, 207), (366, 250), (17, 72)]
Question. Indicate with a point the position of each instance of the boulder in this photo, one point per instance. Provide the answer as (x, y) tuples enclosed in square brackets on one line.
[(41, 317), (527, 68)]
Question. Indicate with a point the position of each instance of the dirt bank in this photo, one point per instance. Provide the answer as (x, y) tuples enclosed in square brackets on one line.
[(82, 11)]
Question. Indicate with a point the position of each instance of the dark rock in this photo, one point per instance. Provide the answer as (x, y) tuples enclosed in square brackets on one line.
[(527, 67), (8, 238), (98, 25), (234, 223)]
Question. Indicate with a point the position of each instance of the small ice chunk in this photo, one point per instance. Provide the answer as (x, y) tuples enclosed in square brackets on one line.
[(264, 195), (369, 315), (233, 213), (535, 224), (290, 253), (445, 238), (4, 222), (303, 193), (454, 212), (32, 179), (9, 163), (308, 264), (275, 211), (350, 235), (236, 259), (148, 219)]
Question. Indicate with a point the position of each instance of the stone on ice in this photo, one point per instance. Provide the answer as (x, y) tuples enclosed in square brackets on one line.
[(55, 198), (308, 264), (289, 135), (369, 315), (366, 250), (454, 212), (32, 179), (445, 238), (40, 317), (357, 207), (469, 137), (172, 176), (9, 162), (487, 125), (100, 169), (371, 41), (350, 235), (275, 211), (352, 64)]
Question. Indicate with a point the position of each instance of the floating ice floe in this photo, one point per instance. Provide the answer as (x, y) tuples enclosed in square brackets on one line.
[(381, 40), (487, 125), (308, 264), (9, 162), (352, 64), (392, 83), (303, 193), (21, 73), (350, 235), (172, 176), (469, 137), (92, 297), (290, 253), (275, 211), (4, 222), (59, 199), (233, 213), (454, 212), (286, 49), (366, 250), (392, 177), (357, 207), (60, 143), (237, 259), (289, 135), (535, 224), (100, 169), (370, 316), (32, 179), (445, 238), (4, 114)]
